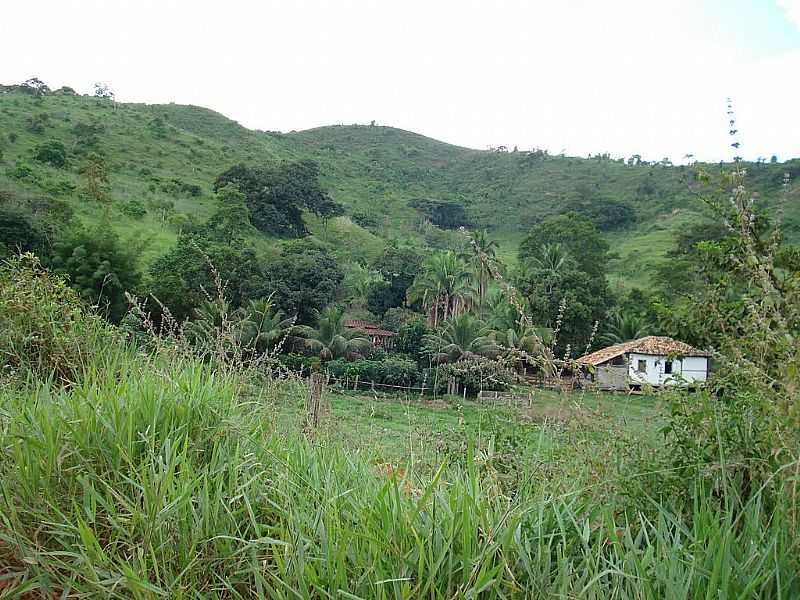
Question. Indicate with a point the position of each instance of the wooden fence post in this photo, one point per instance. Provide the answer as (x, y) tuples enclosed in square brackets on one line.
[(316, 386)]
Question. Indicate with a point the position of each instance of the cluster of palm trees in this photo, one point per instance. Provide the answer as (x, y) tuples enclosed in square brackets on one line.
[(260, 328), (495, 330), (467, 318), (451, 283)]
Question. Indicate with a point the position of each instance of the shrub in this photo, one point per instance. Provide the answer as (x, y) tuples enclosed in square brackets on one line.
[(134, 209), (394, 318), (400, 371), (300, 363), (51, 152), (100, 266), (477, 374), (45, 330), (58, 187), (38, 122), (24, 172)]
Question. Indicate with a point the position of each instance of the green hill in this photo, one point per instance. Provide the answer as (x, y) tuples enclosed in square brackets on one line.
[(165, 157)]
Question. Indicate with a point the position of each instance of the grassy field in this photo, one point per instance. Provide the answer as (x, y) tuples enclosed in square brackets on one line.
[(162, 477), (415, 432)]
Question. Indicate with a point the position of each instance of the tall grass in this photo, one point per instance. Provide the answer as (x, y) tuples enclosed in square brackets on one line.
[(155, 477)]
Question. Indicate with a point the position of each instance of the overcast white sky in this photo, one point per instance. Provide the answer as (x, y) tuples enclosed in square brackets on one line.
[(580, 77)]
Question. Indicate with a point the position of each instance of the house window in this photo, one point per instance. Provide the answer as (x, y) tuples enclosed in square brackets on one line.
[(668, 368), (641, 366)]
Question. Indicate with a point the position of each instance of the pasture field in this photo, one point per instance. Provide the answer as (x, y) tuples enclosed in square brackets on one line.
[(156, 477)]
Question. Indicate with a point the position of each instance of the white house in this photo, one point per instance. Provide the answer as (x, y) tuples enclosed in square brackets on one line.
[(652, 360)]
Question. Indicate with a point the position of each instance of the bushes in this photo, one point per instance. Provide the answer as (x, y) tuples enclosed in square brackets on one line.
[(400, 371), (392, 370), (134, 209), (51, 152), (477, 374), (45, 330)]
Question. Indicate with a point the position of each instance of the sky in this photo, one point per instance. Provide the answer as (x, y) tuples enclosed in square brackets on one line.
[(580, 77)]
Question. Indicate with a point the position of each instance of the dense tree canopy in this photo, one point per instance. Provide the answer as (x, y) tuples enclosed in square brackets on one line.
[(576, 234), (277, 195), (99, 266), (304, 280), (215, 252), (398, 266)]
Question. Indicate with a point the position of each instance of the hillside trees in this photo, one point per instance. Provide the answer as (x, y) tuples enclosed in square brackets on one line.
[(480, 255), (304, 279), (447, 214), (277, 194), (212, 254), (443, 287), (563, 264), (398, 266), (100, 266)]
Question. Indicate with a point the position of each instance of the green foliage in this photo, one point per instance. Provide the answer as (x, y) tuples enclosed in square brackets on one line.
[(45, 330), (622, 326), (392, 370), (477, 374), (743, 430), (577, 235), (398, 266), (330, 339), (410, 340), (399, 371), (51, 152), (22, 230), (278, 194), (300, 363), (38, 123), (304, 279), (24, 172), (179, 187), (395, 318), (443, 287), (95, 173), (262, 327), (460, 337), (446, 214), (134, 209), (100, 266), (170, 457), (87, 136), (562, 297), (213, 256)]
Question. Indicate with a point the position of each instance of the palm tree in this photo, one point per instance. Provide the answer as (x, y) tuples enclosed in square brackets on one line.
[(521, 342), (481, 255), (262, 326), (623, 327), (551, 258), (443, 287), (211, 320), (359, 281), (461, 337), (331, 339)]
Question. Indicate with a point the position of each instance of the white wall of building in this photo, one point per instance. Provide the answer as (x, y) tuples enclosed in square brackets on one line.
[(691, 369)]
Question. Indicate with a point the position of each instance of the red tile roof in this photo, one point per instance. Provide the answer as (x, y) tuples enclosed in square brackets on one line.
[(652, 344), (368, 328)]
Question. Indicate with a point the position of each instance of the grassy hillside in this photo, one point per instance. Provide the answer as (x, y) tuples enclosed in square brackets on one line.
[(167, 156)]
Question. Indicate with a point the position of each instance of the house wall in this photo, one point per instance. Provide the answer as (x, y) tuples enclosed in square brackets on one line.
[(608, 377), (691, 369)]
